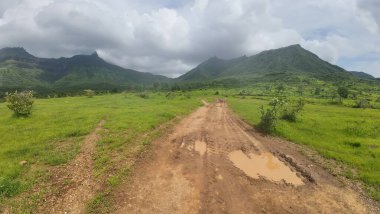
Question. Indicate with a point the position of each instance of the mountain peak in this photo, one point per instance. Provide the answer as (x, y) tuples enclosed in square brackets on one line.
[(95, 54), (290, 47), (14, 52), (295, 46)]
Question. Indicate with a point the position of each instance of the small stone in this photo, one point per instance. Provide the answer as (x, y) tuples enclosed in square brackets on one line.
[(22, 163)]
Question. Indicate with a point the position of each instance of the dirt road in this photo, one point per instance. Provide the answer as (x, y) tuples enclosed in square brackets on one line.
[(213, 163)]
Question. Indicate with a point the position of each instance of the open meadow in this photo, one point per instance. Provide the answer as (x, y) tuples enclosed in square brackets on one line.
[(52, 135)]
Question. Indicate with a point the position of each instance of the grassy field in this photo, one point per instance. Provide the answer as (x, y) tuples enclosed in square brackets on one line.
[(52, 135), (348, 135), (54, 132)]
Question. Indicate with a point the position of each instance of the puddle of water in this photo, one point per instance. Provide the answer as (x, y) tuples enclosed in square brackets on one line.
[(265, 165), (200, 147)]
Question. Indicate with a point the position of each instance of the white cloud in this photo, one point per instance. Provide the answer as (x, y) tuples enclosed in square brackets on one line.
[(169, 37), (330, 48)]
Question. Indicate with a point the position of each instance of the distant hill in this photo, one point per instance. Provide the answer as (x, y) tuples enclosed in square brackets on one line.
[(291, 61), (362, 75), (21, 70), (210, 69)]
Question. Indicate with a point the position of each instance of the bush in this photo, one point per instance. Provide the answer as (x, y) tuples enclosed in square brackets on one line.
[(268, 120), (89, 93), (170, 95), (244, 93), (21, 103), (353, 144), (143, 95), (291, 114), (269, 116), (362, 103)]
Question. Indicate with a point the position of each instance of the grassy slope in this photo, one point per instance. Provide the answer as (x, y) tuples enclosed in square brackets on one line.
[(14, 75), (53, 133), (349, 135)]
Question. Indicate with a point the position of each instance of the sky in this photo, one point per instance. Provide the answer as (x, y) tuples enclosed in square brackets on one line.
[(171, 37)]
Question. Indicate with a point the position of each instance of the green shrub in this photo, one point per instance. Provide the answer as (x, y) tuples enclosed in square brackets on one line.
[(362, 103), (268, 120), (269, 116), (21, 103), (353, 144), (291, 114), (244, 93), (89, 93), (170, 95), (143, 95)]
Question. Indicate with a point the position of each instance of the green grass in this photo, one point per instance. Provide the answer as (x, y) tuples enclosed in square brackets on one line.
[(348, 135), (52, 135)]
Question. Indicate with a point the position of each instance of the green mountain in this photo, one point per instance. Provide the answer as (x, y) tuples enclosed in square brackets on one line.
[(210, 69), (21, 70), (278, 64)]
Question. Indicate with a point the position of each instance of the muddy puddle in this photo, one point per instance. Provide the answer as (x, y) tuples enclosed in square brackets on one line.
[(264, 165)]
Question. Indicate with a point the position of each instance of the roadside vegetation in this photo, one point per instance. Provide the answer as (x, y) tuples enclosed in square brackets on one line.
[(53, 133), (341, 132)]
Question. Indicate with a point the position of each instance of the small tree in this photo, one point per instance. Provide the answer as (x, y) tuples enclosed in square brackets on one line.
[(21, 103), (343, 93), (89, 93)]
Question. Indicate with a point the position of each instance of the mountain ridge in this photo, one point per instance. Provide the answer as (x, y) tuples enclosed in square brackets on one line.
[(21, 70), (292, 60)]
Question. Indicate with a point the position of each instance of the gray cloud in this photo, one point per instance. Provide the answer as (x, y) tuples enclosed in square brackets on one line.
[(170, 37), (6, 4), (372, 7)]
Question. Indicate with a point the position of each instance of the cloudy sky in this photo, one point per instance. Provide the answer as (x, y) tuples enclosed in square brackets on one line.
[(170, 37)]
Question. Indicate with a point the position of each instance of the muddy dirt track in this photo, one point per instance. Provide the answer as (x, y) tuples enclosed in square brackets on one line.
[(212, 162)]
